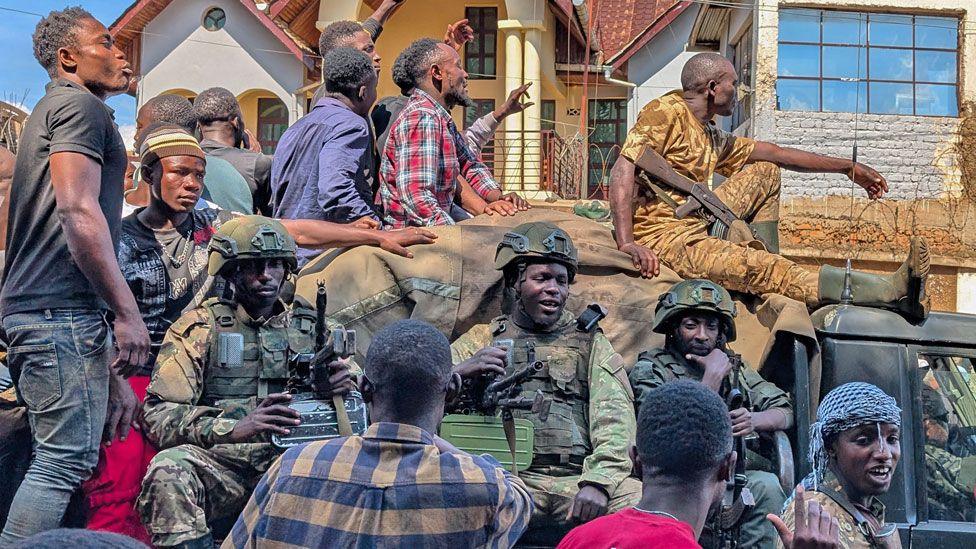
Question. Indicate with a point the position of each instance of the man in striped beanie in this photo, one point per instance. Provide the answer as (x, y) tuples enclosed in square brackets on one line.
[(163, 257)]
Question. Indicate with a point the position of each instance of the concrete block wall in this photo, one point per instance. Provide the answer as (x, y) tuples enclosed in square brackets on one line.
[(913, 153)]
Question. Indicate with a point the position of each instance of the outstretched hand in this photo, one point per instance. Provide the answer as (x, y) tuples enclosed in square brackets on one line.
[(514, 104), (813, 526), (396, 241), (869, 180), (458, 34)]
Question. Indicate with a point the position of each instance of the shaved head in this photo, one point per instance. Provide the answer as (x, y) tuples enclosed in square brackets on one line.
[(702, 69)]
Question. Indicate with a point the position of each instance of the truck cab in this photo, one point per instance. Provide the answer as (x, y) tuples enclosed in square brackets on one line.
[(931, 496)]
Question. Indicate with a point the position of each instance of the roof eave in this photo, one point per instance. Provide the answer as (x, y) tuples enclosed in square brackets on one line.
[(641, 40)]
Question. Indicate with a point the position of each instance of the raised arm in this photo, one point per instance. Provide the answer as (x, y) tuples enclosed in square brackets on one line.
[(76, 179), (802, 161)]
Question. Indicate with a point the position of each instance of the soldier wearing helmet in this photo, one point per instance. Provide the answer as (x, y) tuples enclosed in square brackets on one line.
[(217, 391), (697, 318), (580, 467)]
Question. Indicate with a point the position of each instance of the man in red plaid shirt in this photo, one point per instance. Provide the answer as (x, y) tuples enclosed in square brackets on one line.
[(425, 153)]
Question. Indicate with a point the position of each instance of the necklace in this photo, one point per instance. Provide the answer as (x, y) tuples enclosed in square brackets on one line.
[(178, 262), (661, 513)]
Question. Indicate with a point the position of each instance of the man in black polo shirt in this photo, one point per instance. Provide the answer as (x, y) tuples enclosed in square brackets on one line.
[(62, 283)]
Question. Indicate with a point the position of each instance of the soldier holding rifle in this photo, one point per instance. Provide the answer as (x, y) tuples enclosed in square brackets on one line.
[(217, 391), (580, 468), (697, 318)]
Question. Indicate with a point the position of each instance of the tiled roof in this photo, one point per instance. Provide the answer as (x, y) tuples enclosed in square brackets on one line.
[(623, 21)]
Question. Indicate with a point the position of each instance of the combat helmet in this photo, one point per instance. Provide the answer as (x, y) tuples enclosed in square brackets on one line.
[(250, 237), (537, 240), (695, 295)]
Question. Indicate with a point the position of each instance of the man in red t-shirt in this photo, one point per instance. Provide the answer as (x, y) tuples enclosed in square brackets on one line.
[(684, 461)]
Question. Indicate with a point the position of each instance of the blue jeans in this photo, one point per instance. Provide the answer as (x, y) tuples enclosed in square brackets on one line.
[(61, 358)]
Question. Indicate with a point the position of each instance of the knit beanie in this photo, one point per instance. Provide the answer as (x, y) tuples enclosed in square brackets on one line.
[(168, 140)]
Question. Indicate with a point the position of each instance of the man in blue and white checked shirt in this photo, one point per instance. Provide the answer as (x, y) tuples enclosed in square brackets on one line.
[(399, 485)]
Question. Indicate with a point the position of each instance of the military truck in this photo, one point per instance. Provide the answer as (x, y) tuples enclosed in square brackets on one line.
[(905, 360)]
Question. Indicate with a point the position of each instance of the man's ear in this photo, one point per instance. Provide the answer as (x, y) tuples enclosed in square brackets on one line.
[(361, 95), (727, 469), (66, 59), (366, 388), (453, 387), (635, 459)]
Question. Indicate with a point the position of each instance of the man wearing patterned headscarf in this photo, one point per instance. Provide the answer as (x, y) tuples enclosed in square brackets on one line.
[(854, 449)]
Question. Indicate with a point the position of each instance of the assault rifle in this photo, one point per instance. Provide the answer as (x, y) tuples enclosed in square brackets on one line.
[(737, 498), (654, 168), (322, 416), (487, 395)]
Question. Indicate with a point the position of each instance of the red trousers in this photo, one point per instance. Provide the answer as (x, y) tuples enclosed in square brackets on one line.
[(113, 488)]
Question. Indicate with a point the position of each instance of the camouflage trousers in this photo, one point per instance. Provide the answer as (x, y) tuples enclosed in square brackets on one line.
[(187, 488), (754, 198), (755, 531), (553, 491)]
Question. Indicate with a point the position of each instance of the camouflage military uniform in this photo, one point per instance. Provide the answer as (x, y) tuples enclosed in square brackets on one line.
[(697, 151), (197, 394), (948, 497), (830, 495), (659, 366), (591, 425)]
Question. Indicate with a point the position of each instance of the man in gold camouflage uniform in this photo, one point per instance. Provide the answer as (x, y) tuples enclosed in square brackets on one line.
[(679, 126), (217, 389), (580, 463), (697, 318)]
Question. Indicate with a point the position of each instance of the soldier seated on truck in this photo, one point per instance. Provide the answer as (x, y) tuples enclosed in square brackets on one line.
[(697, 319), (679, 127), (580, 467), (217, 389)]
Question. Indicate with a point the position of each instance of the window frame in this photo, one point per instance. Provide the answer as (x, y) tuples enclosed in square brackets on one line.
[(475, 112), (477, 17), (867, 80), (918, 444), (268, 146)]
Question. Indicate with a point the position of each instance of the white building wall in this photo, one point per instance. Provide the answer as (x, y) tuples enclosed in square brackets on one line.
[(178, 53), (914, 153), (656, 68)]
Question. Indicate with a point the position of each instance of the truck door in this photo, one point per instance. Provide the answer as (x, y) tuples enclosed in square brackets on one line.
[(945, 415)]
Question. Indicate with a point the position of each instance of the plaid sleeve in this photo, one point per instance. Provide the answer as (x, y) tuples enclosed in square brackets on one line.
[(418, 156), (250, 526), (515, 508), (473, 170)]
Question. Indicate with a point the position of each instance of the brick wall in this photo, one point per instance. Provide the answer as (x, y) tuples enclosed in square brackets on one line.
[(912, 152)]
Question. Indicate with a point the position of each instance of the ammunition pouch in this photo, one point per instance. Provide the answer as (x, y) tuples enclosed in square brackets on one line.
[(319, 420), (478, 434)]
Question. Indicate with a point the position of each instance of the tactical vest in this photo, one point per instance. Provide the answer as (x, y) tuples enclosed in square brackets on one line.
[(565, 436), (247, 363), (675, 368)]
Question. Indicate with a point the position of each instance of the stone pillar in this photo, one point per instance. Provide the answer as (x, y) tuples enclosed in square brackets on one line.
[(531, 116), (511, 141), (966, 291)]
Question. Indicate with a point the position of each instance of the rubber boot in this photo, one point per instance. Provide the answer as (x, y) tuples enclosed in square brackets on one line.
[(903, 291), (768, 233), (205, 542)]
